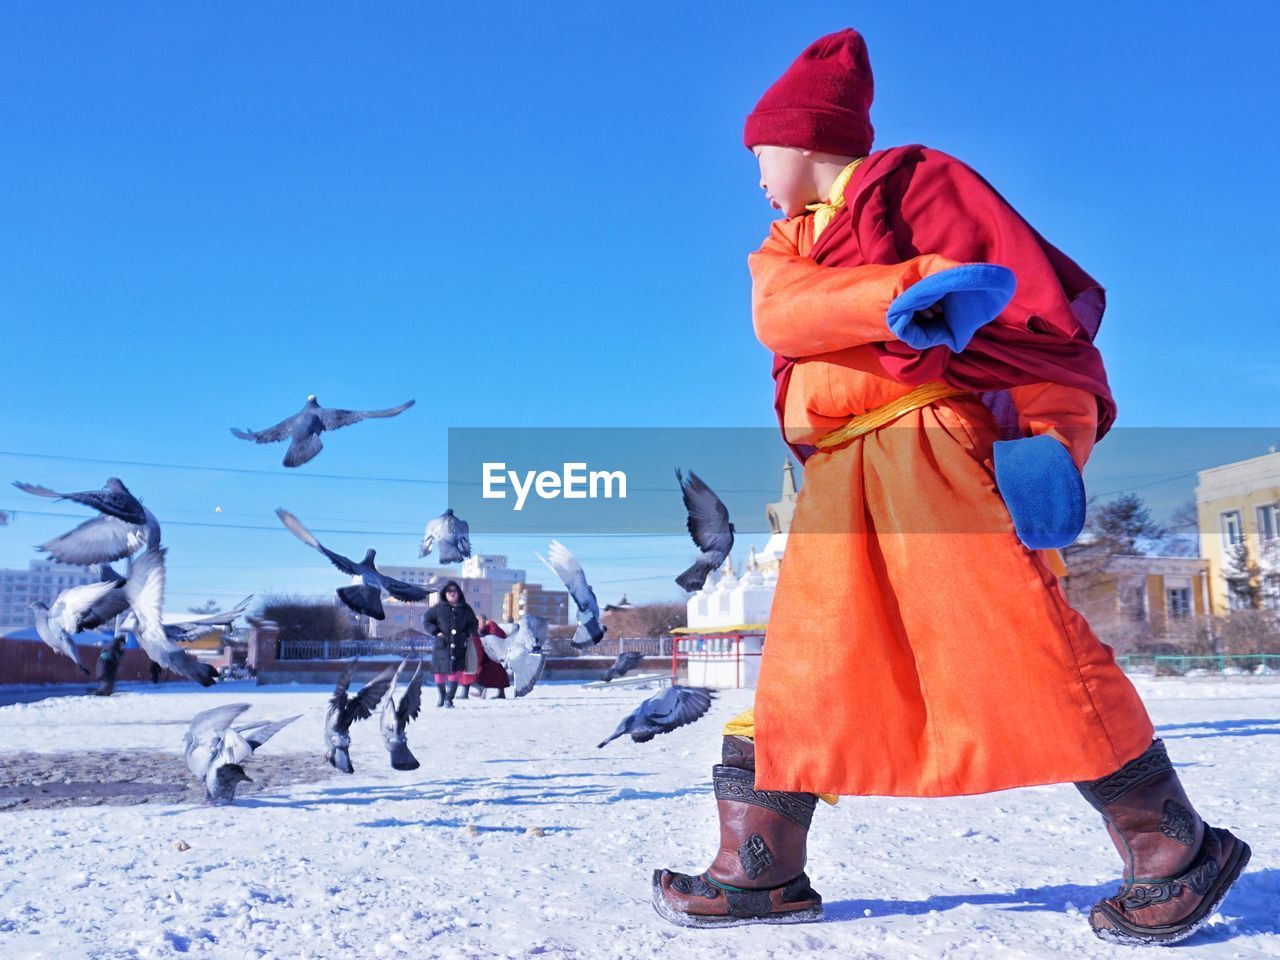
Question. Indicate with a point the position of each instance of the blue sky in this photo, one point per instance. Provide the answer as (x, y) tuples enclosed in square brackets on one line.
[(531, 215)]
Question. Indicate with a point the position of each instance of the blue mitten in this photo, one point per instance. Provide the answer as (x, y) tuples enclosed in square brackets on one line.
[(1042, 489), (972, 295)]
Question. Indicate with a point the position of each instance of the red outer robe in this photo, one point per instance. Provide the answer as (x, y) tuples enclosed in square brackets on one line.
[(908, 201)]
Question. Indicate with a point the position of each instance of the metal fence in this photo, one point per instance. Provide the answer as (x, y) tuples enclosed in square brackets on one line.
[(611, 647), (415, 649), (1223, 664), (420, 648)]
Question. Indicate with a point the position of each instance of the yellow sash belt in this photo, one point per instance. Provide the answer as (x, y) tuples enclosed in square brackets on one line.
[(886, 413)]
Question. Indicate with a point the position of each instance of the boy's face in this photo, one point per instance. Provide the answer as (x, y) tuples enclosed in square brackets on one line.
[(787, 178)]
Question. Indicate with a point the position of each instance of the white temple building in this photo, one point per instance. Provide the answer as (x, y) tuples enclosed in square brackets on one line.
[(738, 607), (728, 600)]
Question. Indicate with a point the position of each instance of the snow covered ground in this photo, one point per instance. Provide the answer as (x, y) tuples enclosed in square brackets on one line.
[(518, 838)]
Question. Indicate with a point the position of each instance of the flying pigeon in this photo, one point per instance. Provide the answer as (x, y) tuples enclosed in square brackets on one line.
[(215, 751), (520, 651), (367, 597), (663, 712), (123, 527), (114, 499), (709, 527), (303, 429), (395, 718), (144, 594), (563, 564), (196, 628), (73, 607), (625, 663), (451, 533), (345, 710)]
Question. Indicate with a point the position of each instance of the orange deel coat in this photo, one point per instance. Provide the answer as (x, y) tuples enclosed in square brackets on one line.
[(951, 661)]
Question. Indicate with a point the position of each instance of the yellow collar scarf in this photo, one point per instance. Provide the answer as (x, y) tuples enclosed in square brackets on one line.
[(824, 213)]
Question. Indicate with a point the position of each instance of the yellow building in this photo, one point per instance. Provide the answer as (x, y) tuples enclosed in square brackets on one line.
[(1238, 512), (1134, 601), (530, 599)]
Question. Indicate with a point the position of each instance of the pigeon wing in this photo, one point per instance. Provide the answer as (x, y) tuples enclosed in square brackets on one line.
[(565, 566), (100, 540), (708, 521), (411, 702), (216, 720), (36, 490), (113, 500), (77, 603), (403, 591), (262, 733), (222, 619), (339, 696), (297, 528), (526, 670), (673, 708), (281, 431), (144, 591), (361, 706), (334, 419)]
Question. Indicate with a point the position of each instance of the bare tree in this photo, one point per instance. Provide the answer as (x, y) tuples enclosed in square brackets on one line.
[(206, 608), (300, 618)]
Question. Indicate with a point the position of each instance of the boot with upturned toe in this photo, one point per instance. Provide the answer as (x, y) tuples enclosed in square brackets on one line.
[(758, 874), (1177, 868)]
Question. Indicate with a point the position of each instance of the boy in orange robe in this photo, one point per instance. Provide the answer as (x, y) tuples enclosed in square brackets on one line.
[(933, 456)]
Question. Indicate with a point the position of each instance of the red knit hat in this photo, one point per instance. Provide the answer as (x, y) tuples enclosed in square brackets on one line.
[(822, 102)]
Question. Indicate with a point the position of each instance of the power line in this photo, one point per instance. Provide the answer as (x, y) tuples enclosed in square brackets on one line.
[(309, 474)]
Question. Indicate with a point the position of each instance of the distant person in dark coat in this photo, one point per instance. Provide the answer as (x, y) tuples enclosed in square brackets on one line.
[(453, 623)]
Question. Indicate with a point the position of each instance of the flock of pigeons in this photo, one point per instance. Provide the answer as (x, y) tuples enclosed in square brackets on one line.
[(216, 749)]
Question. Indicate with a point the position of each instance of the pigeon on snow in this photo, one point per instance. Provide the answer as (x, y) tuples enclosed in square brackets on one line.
[(709, 527), (345, 710), (214, 750), (365, 598), (71, 610), (451, 533), (625, 663), (396, 716), (563, 564), (520, 651), (303, 429), (663, 712)]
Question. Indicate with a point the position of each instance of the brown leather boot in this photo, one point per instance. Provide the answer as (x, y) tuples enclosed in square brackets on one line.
[(1177, 868), (758, 874)]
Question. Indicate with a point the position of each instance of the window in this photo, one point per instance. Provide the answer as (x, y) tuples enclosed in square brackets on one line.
[(1267, 522), (1232, 531), (1178, 602)]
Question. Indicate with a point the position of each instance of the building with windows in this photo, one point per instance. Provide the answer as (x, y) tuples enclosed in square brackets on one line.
[(1133, 601), (42, 580), (530, 599), (1238, 514)]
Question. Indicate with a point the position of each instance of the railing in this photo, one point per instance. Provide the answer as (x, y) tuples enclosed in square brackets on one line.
[(418, 649), (1223, 664), (612, 646)]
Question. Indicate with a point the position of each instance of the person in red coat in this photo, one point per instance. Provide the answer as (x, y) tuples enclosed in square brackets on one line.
[(491, 674)]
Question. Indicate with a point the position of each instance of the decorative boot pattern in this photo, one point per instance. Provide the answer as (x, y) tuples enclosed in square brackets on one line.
[(758, 873), (1177, 868)]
